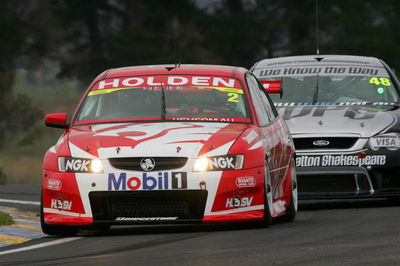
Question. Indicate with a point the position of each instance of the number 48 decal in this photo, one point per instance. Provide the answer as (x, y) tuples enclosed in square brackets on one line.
[(380, 81)]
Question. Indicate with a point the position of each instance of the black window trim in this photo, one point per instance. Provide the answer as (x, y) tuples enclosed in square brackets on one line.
[(272, 121)]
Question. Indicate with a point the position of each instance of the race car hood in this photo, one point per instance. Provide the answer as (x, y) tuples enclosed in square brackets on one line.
[(175, 139), (363, 120)]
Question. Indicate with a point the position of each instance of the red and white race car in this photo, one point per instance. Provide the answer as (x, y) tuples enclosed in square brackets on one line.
[(169, 144)]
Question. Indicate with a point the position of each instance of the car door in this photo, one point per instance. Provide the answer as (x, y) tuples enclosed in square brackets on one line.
[(275, 134)]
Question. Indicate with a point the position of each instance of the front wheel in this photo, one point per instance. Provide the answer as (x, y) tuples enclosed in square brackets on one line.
[(291, 210)]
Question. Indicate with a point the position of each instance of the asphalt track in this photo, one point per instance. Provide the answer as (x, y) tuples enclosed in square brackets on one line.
[(347, 232)]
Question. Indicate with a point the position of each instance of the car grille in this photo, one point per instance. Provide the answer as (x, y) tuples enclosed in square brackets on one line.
[(161, 163), (327, 183), (186, 205), (334, 143), (387, 178), (148, 208)]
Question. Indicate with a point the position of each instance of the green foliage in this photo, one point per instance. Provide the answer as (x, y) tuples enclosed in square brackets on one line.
[(5, 219)]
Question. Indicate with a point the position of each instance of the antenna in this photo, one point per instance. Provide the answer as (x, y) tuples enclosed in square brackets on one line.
[(177, 65), (317, 25)]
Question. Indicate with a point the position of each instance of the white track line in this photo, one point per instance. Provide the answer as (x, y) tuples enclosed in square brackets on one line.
[(21, 201), (51, 243)]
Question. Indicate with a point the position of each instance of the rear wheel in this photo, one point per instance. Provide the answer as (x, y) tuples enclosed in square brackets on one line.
[(57, 230), (291, 210), (267, 198)]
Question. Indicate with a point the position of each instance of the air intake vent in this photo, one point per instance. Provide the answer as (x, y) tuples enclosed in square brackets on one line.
[(324, 143), (161, 163), (185, 204)]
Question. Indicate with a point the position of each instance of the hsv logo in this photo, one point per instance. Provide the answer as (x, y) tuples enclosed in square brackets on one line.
[(246, 181), (61, 205), (147, 164), (76, 165), (152, 81), (237, 202), (163, 181)]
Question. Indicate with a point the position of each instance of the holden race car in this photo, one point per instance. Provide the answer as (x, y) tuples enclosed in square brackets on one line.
[(169, 144), (343, 114)]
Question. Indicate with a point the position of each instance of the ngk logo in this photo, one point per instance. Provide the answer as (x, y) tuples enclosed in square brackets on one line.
[(76, 165), (221, 163), (237, 202)]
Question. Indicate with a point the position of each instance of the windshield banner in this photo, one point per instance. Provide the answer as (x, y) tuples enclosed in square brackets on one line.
[(167, 81), (321, 70)]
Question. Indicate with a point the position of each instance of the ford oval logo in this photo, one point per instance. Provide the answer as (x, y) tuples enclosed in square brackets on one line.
[(321, 143), (147, 164)]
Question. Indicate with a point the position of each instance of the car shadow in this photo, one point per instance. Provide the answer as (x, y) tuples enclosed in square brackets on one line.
[(171, 229), (304, 205), (309, 205)]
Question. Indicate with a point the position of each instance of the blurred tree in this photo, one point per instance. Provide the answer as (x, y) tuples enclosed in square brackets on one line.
[(17, 113), (87, 37), (103, 34), (11, 45)]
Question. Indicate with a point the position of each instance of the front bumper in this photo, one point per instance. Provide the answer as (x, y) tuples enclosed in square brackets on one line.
[(327, 174), (86, 199)]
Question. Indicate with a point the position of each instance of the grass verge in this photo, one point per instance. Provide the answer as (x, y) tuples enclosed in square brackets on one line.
[(5, 219)]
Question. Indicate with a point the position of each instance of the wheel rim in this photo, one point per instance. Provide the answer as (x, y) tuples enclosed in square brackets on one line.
[(268, 192), (294, 186)]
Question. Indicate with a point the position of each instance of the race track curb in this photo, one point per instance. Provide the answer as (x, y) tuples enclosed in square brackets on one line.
[(26, 227)]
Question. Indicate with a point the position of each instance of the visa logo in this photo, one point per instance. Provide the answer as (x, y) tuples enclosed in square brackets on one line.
[(386, 141)]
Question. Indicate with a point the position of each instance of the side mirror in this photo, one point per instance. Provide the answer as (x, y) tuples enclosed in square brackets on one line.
[(272, 86), (58, 120)]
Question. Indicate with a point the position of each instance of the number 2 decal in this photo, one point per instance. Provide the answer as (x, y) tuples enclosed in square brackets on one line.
[(233, 97)]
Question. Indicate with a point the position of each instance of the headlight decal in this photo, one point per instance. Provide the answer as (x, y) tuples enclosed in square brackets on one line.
[(389, 141), (79, 165), (219, 163)]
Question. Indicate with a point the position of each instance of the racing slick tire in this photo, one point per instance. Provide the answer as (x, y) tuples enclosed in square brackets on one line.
[(267, 198), (291, 210), (57, 230)]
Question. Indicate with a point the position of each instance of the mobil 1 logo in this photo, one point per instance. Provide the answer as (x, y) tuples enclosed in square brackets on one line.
[(148, 181)]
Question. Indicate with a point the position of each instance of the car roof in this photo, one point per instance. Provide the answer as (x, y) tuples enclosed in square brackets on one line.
[(195, 69), (350, 60)]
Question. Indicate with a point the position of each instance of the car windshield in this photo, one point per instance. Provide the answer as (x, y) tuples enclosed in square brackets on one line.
[(336, 88), (211, 99)]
